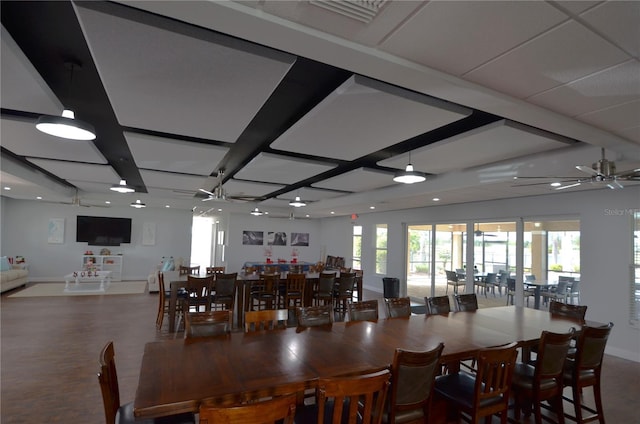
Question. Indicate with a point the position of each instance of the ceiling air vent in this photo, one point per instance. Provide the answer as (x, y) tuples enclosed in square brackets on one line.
[(360, 10)]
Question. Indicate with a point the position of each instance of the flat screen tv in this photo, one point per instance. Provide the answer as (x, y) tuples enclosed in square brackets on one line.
[(103, 231)]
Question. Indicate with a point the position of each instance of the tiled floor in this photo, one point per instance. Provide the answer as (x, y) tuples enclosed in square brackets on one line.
[(50, 347)]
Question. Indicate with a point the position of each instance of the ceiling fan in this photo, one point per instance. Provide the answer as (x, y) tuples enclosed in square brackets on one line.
[(220, 194), (479, 233), (602, 172)]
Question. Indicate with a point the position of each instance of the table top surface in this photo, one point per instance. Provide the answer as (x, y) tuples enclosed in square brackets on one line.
[(177, 374)]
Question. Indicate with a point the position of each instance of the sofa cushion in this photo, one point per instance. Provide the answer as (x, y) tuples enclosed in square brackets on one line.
[(4, 264), (13, 274)]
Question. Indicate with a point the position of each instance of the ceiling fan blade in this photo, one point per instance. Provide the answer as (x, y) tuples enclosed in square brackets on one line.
[(568, 186), (614, 185), (587, 169), (630, 174), (207, 192)]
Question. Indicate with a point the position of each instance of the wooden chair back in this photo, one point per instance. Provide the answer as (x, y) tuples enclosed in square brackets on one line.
[(412, 384), (294, 290), (355, 399), (466, 302), (367, 310), (280, 409), (225, 290), (437, 305), (493, 380), (398, 307), (265, 291), (215, 270), (325, 287), (108, 378), (567, 310), (198, 291), (314, 316), (268, 319), (207, 324), (189, 270), (162, 301)]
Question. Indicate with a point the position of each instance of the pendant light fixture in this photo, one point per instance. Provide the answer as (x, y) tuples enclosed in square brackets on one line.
[(66, 126), (138, 204), (297, 203), (122, 187), (409, 176), (256, 212)]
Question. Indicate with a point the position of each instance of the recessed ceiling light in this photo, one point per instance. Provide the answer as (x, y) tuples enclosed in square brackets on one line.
[(219, 209), (332, 212), (167, 206), (7, 188), (39, 197), (107, 202), (555, 184), (307, 215), (436, 199), (372, 207)]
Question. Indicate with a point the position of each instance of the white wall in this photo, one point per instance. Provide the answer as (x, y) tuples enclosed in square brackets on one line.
[(24, 232), (605, 246)]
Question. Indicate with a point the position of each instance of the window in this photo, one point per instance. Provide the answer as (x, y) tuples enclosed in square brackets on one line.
[(635, 273), (381, 249), (356, 255)]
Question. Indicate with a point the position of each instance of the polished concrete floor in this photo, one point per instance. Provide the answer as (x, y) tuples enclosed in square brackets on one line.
[(50, 347)]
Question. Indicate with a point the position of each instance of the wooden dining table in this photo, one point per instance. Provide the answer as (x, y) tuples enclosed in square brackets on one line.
[(176, 375), (243, 294)]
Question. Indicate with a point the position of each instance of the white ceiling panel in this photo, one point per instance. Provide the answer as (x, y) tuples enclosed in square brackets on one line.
[(280, 169), (490, 29), (172, 181), (597, 91), (166, 154), (618, 21), (357, 180), (21, 188), (568, 52), (22, 138), (492, 143), (249, 189), (79, 171), (577, 6), (199, 83), (620, 117), (363, 116), (22, 87)]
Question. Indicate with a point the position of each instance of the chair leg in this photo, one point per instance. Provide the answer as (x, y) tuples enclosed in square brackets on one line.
[(598, 401), (577, 404)]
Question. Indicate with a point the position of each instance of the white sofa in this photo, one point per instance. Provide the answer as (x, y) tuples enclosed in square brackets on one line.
[(17, 276)]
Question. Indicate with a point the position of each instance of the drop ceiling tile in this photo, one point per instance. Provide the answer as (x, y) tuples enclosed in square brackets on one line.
[(612, 86), (619, 21), (189, 81), (577, 6), (272, 168), (626, 115), (23, 139), (22, 87), (357, 180), (363, 116), (78, 171), (235, 187), (172, 181), (566, 53), (165, 154), (495, 142), (490, 29)]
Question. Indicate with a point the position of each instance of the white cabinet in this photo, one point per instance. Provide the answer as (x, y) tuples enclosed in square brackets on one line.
[(104, 263)]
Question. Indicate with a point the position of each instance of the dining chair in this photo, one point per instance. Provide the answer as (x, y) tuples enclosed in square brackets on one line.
[(267, 319), (584, 371), (293, 291), (163, 301), (511, 290), (325, 287), (367, 310), (357, 282), (114, 412), (558, 292), (437, 305), (279, 409), (314, 316), (207, 324), (398, 307), (224, 293), (264, 292), (453, 280), (466, 302), (189, 270), (542, 381), (413, 376), (485, 392), (566, 310), (348, 400), (574, 292), (344, 291), (198, 296)]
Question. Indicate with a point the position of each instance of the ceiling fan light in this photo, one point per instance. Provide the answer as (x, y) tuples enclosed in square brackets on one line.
[(297, 203), (66, 126), (122, 187), (256, 212), (409, 176), (138, 204)]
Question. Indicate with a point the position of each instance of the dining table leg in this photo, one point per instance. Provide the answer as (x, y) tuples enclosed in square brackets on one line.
[(536, 295)]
